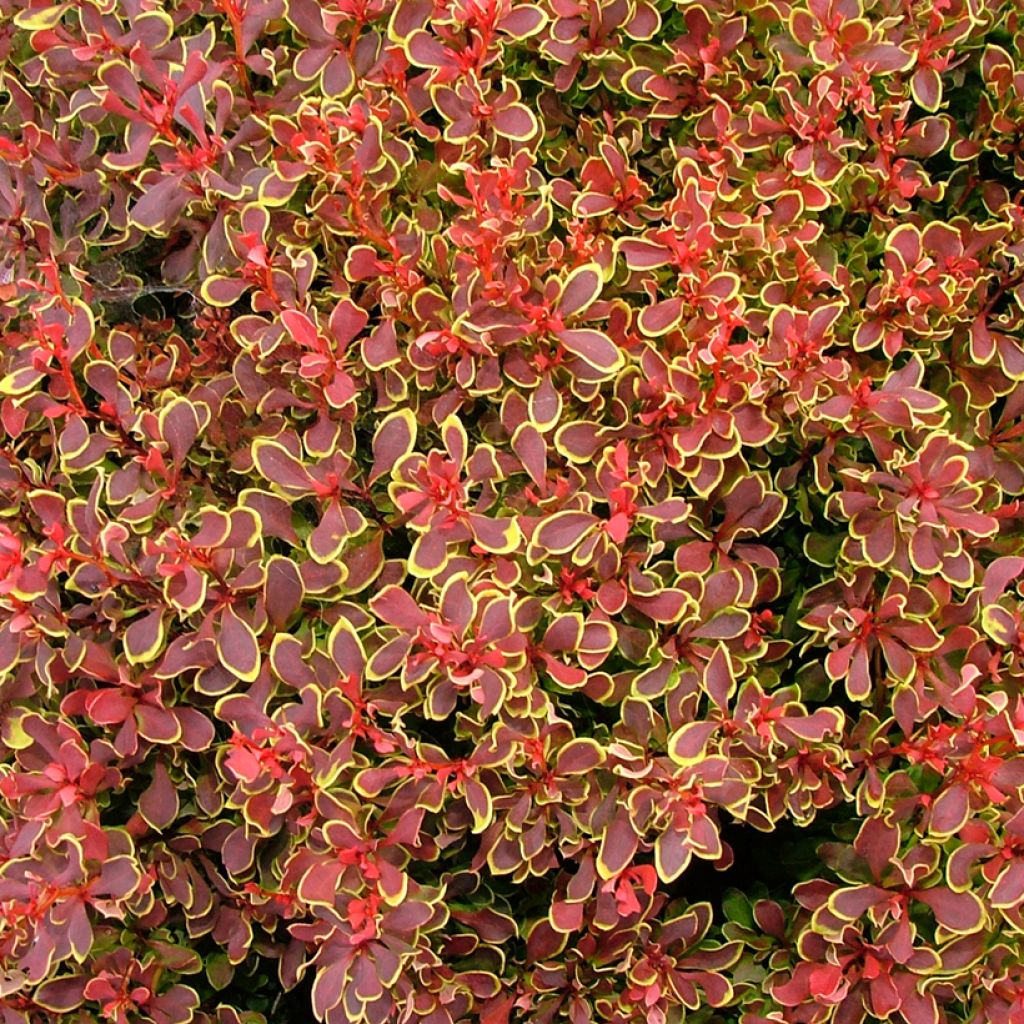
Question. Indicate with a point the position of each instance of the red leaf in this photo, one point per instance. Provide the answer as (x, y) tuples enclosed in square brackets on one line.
[(593, 347), (579, 757), (562, 531), (280, 467), (960, 912), (301, 328), (619, 844), (237, 647), (392, 441), (159, 803)]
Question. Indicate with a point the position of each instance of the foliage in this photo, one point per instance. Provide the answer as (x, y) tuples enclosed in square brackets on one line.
[(468, 466)]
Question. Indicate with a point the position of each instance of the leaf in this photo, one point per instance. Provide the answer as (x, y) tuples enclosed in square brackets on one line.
[(20, 382), (852, 903), (393, 439), (237, 647), (339, 524), (949, 811), (594, 348), (1008, 889), (319, 886), (579, 757), (219, 971), (563, 531), (156, 724), (619, 843), (218, 290), (39, 19), (498, 536), (545, 405), (277, 465), (543, 942), (144, 638), (179, 426), (878, 842), (580, 289), (926, 88), (478, 800), (380, 348), (661, 317), (643, 254), (61, 995), (396, 607), (186, 590), (429, 554), (301, 328), (672, 855), (159, 802), (689, 742), (456, 440), (160, 204), (515, 122), (283, 590), (960, 912), (523, 20)]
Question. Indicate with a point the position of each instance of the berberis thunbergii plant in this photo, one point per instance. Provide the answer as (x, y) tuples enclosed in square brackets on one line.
[(511, 512)]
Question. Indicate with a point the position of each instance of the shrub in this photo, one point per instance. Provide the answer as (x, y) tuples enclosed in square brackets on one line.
[(511, 512)]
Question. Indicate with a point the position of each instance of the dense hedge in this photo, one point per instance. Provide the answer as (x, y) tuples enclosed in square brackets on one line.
[(510, 512)]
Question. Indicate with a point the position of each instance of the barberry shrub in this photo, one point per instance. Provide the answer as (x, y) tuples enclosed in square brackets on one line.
[(510, 512)]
